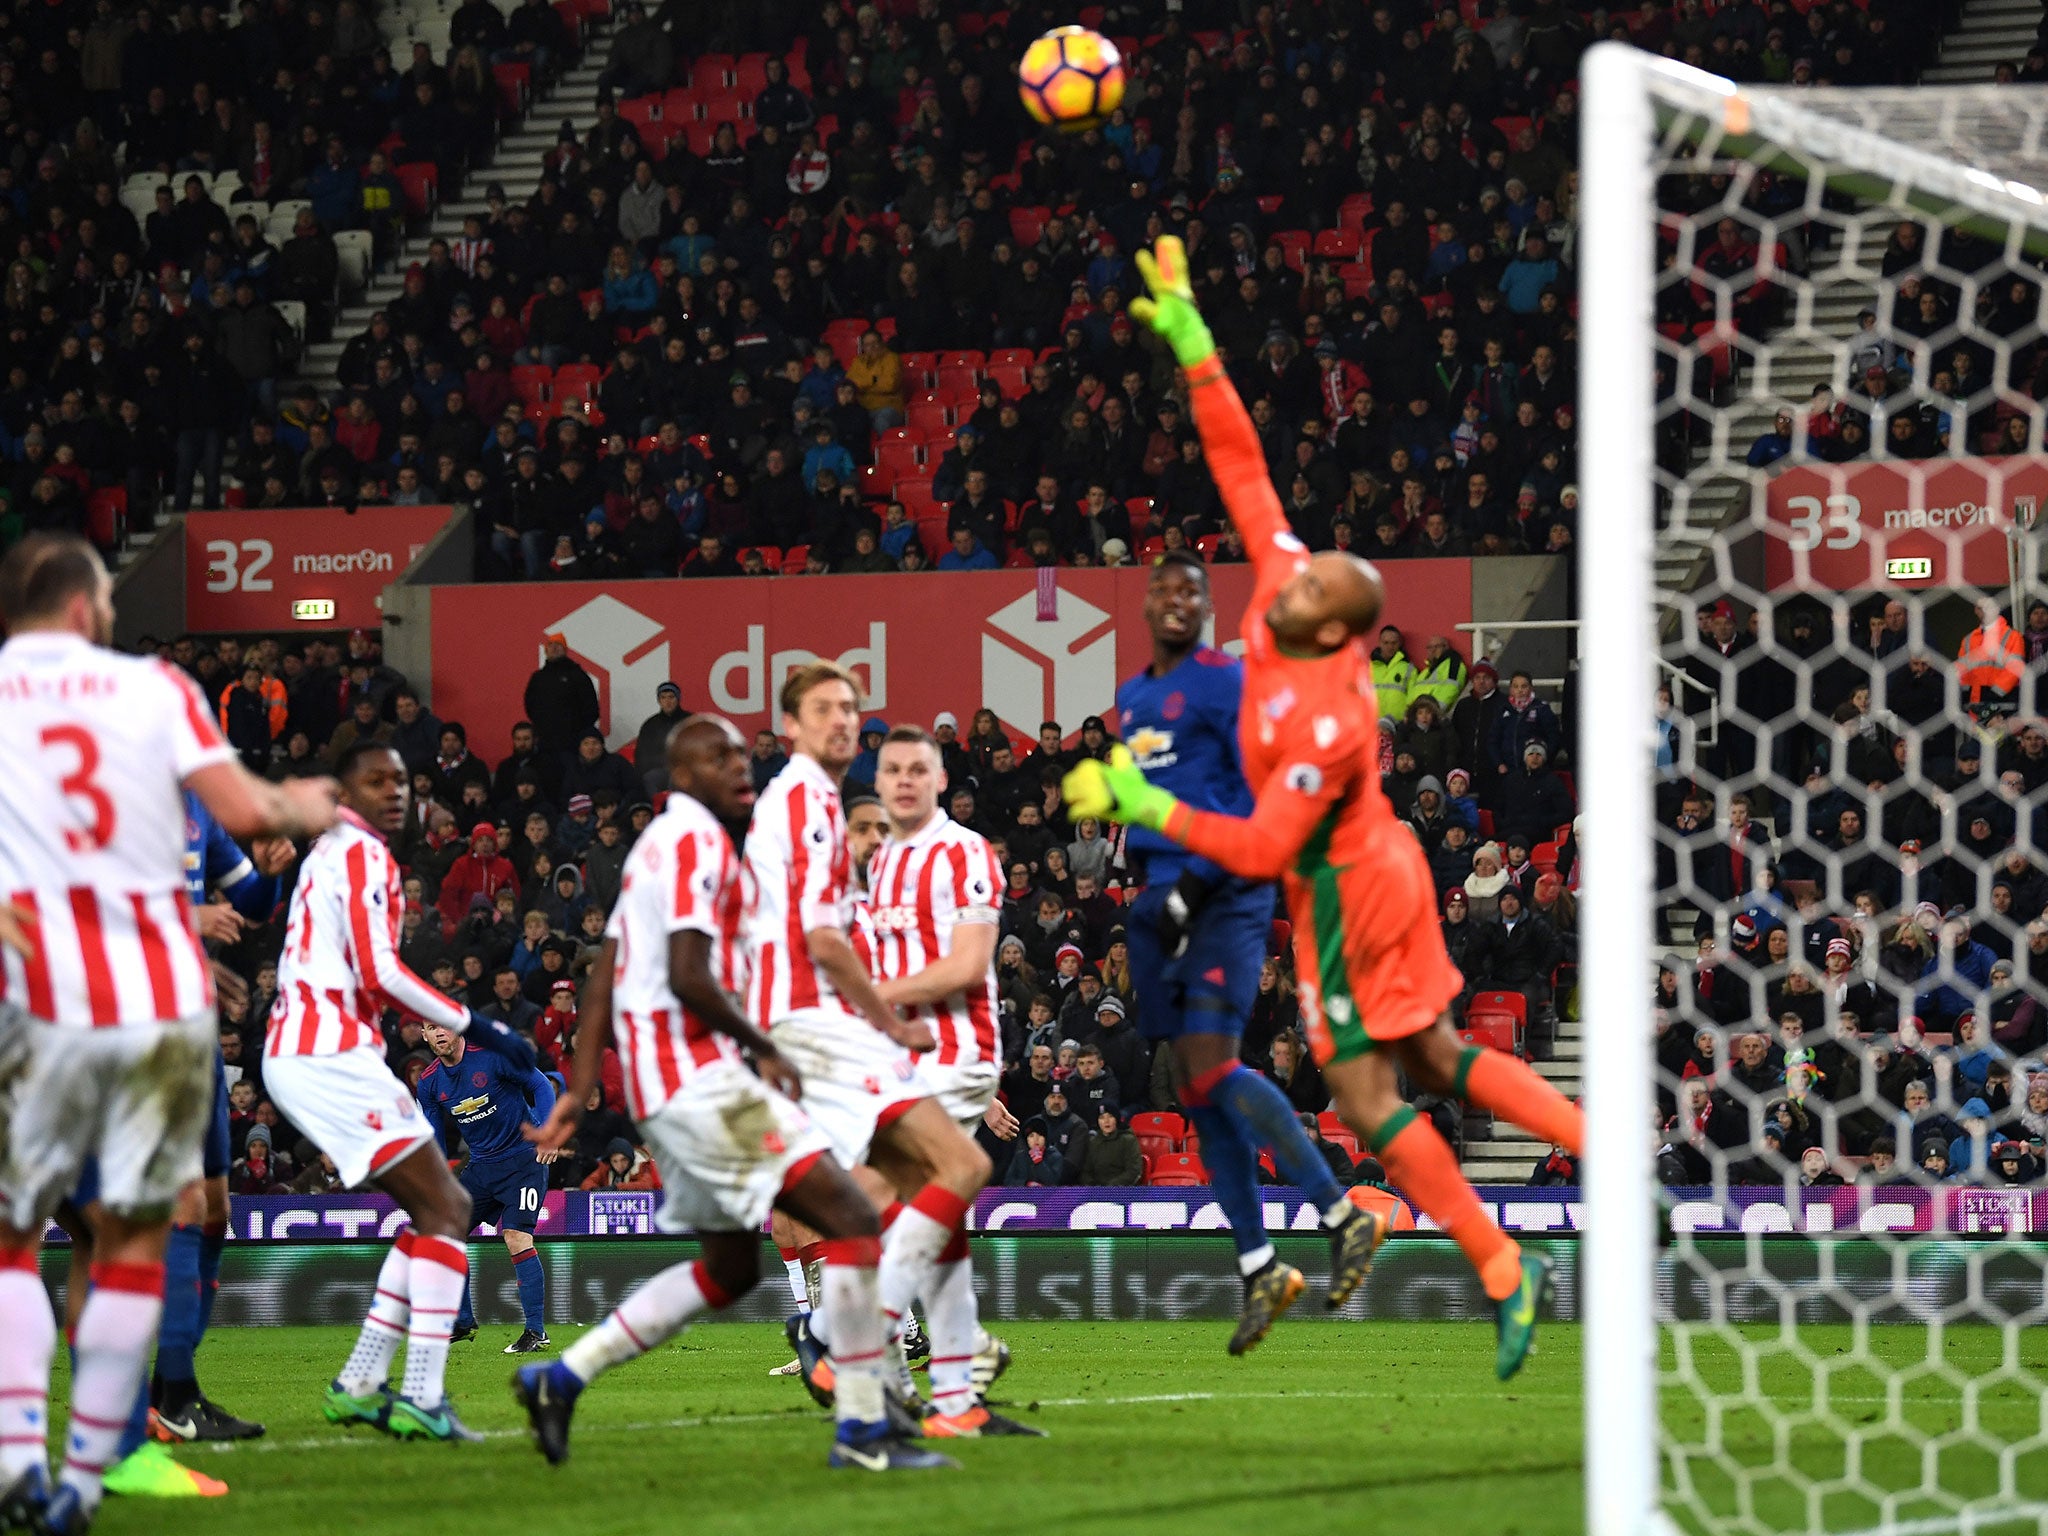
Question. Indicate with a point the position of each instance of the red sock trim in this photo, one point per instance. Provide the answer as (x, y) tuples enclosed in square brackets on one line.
[(444, 1251), (810, 1253), (716, 1296), (956, 1247), (214, 1229), (138, 1279), (860, 1252), (786, 1252), (798, 1172), (404, 1241), (1200, 1088), (939, 1204), (23, 1259), (531, 1254), (889, 1213)]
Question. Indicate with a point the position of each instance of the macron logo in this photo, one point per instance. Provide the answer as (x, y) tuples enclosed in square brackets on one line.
[(1052, 669)]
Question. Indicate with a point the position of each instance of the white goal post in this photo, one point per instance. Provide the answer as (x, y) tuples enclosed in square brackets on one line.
[(1966, 157)]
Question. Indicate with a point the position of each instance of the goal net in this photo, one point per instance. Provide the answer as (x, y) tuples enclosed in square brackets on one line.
[(1816, 988)]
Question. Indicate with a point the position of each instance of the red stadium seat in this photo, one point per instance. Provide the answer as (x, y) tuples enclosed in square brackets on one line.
[(927, 420), (1021, 355), (966, 359), (1156, 1148), (1013, 379), (1279, 936), (577, 381), (1544, 857), (106, 516), (515, 86), (421, 182), (1182, 1169), (1339, 244), (1159, 1123), (533, 382), (795, 558)]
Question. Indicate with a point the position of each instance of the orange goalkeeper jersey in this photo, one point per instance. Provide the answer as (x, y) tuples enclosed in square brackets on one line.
[(1308, 730)]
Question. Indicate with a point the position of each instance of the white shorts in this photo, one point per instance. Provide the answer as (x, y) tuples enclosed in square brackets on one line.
[(350, 1106), (137, 1097), (855, 1077), (964, 1090), (726, 1145)]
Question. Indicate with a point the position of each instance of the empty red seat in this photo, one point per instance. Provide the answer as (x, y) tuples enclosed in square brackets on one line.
[(1339, 244), (106, 516), (421, 182), (577, 381), (1182, 1169), (1159, 1122)]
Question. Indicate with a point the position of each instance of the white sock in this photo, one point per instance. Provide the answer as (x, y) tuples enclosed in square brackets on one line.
[(440, 1268), (27, 1344), (854, 1300), (953, 1320), (115, 1332), (912, 1245), (799, 1287), (369, 1363), (656, 1312), (1251, 1263)]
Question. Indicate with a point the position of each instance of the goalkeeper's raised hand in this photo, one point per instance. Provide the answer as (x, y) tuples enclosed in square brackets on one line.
[(1170, 311), (1116, 791)]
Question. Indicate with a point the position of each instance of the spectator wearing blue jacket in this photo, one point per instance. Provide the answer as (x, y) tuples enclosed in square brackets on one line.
[(825, 453), (967, 554), (628, 290), (1526, 277), (1964, 968)]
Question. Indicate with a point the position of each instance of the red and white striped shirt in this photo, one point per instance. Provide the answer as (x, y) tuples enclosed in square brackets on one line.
[(340, 968), (803, 881), (920, 890), (683, 874), (95, 748)]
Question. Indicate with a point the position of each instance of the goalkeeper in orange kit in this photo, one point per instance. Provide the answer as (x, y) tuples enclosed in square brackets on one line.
[(1375, 981)]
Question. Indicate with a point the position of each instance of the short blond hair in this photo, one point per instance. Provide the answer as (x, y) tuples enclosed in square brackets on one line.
[(798, 685)]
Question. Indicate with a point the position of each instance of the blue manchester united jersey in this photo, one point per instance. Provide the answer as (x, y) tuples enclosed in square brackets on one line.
[(215, 862), (485, 1101), (1182, 728)]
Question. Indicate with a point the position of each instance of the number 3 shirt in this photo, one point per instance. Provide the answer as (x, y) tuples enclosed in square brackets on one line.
[(93, 756)]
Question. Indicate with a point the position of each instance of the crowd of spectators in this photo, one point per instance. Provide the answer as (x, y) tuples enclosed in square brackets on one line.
[(1867, 996), (148, 284)]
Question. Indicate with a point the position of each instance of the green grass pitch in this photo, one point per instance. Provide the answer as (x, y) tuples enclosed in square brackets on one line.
[(1399, 1426)]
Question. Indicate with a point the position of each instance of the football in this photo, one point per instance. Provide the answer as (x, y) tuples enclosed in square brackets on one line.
[(1071, 79)]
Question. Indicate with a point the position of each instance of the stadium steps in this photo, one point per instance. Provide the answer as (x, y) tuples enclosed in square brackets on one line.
[(1811, 348), (1993, 32), (1507, 1156), (516, 166)]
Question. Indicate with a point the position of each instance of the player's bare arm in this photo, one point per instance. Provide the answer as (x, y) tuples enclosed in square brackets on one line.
[(690, 978), (593, 1037), (833, 955), (249, 807), (973, 952)]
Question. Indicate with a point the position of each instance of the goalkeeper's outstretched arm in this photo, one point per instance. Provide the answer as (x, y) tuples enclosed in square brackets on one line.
[(1236, 461), (1262, 846)]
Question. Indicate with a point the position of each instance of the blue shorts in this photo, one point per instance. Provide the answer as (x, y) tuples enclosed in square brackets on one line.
[(1210, 989), (508, 1194), (219, 1156)]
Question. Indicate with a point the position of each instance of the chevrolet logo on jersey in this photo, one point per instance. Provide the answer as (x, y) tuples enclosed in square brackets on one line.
[(1152, 747), (474, 1108)]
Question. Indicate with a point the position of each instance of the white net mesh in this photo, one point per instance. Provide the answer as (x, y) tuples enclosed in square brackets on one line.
[(1853, 1004)]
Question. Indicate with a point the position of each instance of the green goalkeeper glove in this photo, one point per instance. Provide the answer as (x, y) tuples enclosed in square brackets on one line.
[(1171, 312), (1116, 791)]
